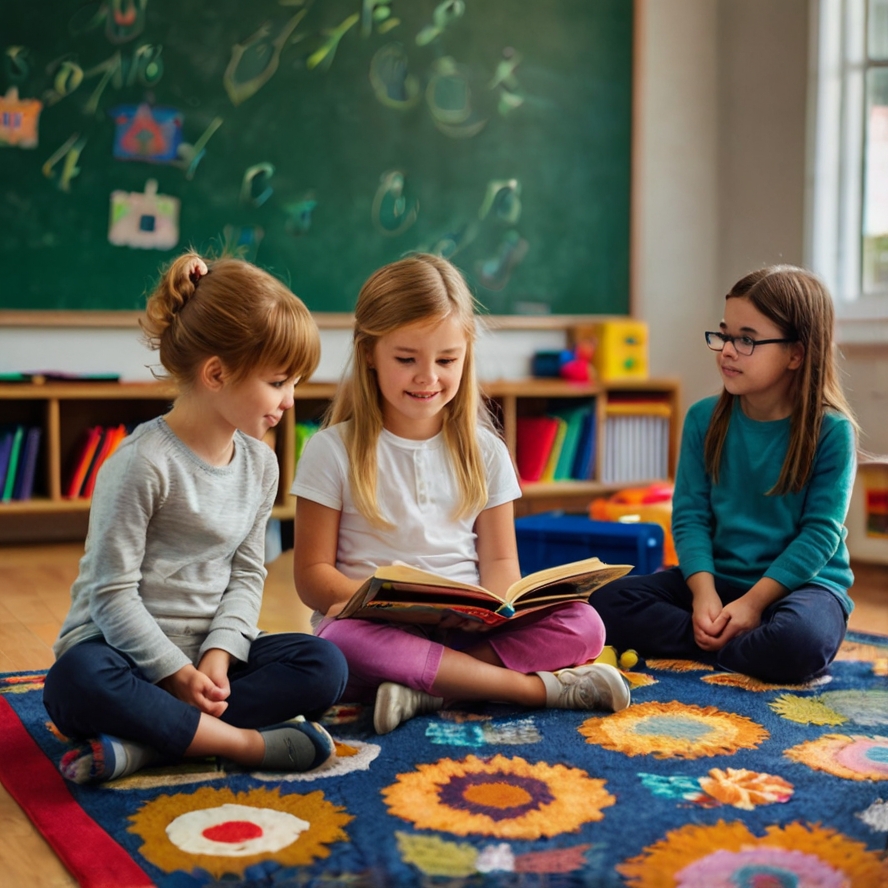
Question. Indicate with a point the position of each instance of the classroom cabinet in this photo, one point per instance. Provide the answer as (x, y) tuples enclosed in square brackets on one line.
[(65, 411)]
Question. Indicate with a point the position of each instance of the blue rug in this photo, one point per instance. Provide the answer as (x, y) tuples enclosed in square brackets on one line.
[(708, 780)]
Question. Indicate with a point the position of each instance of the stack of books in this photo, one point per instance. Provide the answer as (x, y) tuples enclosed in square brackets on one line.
[(558, 446), (19, 446), (636, 441), (97, 444)]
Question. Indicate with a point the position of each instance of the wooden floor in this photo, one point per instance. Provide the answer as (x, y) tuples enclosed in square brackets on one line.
[(34, 587)]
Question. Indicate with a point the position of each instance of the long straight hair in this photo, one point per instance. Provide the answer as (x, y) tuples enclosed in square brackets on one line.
[(419, 288), (800, 305)]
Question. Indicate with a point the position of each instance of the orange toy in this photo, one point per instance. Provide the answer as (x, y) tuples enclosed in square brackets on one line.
[(651, 504)]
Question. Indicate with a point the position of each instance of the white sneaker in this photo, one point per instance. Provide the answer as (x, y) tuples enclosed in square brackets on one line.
[(596, 686), (397, 703)]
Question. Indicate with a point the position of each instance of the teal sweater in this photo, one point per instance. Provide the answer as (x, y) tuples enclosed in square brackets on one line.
[(736, 532)]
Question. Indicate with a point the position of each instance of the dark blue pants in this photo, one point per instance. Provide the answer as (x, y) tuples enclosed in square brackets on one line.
[(798, 638), (94, 688)]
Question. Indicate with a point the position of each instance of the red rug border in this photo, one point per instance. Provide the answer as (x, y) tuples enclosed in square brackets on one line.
[(92, 857)]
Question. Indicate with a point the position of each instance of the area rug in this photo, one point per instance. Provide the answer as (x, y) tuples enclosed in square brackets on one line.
[(708, 780)]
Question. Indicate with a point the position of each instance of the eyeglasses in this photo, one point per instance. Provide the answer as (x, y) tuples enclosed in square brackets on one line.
[(743, 345)]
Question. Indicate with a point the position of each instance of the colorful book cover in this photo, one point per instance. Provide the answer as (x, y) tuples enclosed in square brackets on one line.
[(304, 430), (567, 457), (24, 483), (534, 438), (557, 445), (14, 456), (82, 461), (111, 437)]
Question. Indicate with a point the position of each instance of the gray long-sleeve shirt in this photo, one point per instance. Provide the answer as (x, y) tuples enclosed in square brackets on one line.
[(174, 560)]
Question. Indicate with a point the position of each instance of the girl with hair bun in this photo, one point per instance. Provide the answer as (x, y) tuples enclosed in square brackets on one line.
[(160, 657)]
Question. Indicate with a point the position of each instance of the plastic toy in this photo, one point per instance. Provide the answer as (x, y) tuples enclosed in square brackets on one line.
[(625, 661)]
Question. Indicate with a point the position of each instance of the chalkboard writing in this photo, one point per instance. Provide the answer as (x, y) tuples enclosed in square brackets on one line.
[(320, 139)]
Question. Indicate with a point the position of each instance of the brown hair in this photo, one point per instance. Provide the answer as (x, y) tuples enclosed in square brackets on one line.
[(418, 288), (235, 311), (799, 304)]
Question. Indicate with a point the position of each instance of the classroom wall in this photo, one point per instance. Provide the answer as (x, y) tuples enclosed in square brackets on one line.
[(719, 173)]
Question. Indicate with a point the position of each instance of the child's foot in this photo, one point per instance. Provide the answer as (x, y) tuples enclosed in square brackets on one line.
[(597, 686), (296, 745), (106, 758), (397, 703)]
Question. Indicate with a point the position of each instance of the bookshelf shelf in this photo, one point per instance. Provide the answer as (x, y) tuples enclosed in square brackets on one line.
[(64, 410)]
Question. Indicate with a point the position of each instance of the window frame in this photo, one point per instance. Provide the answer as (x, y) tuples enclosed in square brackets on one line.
[(837, 133)]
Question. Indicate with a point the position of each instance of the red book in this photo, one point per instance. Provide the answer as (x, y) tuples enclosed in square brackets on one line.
[(84, 459), (535, 437), (111, 437)]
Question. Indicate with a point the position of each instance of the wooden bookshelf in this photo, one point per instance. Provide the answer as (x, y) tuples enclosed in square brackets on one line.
[(64, 410)]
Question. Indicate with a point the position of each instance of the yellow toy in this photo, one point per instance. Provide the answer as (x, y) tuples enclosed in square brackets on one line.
[(624, 661)]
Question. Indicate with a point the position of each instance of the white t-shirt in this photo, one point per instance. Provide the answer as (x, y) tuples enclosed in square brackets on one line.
[(416, 491)]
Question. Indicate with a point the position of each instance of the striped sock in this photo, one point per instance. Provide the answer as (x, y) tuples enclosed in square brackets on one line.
[(105, 758)]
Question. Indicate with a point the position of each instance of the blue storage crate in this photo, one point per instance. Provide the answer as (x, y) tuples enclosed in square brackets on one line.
[(553, 538)]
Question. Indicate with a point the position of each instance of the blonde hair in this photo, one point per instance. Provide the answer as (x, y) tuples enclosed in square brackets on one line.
[(799, 304), (235, 311), (419, 288)]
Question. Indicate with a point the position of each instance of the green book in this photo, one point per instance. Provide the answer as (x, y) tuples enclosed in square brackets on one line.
[(12, 469), (567, 456)]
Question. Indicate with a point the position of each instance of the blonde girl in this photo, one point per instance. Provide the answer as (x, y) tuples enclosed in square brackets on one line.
[(408, 468), (762, 491), (160, 656)]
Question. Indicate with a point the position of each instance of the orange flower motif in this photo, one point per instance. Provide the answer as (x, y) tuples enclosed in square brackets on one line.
[(745, 789)]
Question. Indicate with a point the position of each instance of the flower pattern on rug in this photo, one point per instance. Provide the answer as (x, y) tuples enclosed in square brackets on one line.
[(727, 855), (517, 732), (223, 832), (852, 757), (674, 730), (504, 797), (737, 787), (869, 708), (20, 684), (748, 683)]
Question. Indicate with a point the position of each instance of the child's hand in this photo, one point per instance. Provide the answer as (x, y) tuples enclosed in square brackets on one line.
[(215, 664), (192, 686), (742, 615), (709, 619)]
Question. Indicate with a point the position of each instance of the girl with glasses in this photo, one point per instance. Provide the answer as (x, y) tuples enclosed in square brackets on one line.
[(762, 490)]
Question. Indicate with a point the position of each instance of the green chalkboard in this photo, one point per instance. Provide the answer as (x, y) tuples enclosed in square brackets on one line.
[(322, 139)]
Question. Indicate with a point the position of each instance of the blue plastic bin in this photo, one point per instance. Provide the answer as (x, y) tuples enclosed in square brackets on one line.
[(553, 538)]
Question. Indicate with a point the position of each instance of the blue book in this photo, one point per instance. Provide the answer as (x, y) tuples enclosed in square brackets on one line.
[(24, 482), (18, 436), (584, 461), (6, 436)]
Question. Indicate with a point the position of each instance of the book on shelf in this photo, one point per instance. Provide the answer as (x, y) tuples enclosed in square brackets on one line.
[(535, 436), (90, 441), (111, 437), (24, 482), (564, 467), (402, 594), (7, 435), (18, 437), (584, 461), (555, 452), (304, 430)]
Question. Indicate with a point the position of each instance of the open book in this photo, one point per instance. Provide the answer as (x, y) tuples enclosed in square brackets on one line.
[(403, 594)]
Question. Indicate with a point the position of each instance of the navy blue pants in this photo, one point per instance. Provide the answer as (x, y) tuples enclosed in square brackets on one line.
[(94, 688), (798, 638)]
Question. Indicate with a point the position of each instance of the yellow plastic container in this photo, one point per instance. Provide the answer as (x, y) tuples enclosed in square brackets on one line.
[(621, 350)]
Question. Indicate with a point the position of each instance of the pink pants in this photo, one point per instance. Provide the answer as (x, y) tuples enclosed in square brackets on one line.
[(541, 642)]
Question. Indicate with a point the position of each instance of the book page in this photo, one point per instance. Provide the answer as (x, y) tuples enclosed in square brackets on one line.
[(593, 571)]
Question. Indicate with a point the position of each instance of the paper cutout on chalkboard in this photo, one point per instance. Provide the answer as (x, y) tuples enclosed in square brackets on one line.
[(16, 63), (255, 189), (506, 82), (298, 214), (324, 54), (393, 84), (389, 212), (124, 19), (145, 133), (18, 120), (251, 66), (449, 97), (69, 151), (445, 13), (145, 220)]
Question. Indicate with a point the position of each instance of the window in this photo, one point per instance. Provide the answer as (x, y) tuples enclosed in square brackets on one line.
[(848, 239)]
